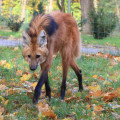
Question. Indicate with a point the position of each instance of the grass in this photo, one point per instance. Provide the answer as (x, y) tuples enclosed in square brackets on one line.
[(20, 104), (109, 41), (8, 33)]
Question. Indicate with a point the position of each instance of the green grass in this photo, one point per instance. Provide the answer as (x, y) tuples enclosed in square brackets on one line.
[(8, 33), (20, 104), (109, 41)]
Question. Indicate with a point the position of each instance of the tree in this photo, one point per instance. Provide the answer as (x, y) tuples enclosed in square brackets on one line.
[(0, 6), (23, 9), (86, 7), (61, 5)]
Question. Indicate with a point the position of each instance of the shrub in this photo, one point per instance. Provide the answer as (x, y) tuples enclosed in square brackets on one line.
[(102, 23), (14, 23), (40, 9)]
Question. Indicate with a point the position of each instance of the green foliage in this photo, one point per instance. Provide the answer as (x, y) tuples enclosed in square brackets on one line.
[(102, 23), (40, 9), (14, 23)]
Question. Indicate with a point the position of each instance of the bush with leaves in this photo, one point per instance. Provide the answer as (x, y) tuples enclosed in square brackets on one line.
[(40, 9), (14, 23), (102, 23)]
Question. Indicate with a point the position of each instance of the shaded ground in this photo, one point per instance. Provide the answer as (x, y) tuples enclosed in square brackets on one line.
[(89, 49)]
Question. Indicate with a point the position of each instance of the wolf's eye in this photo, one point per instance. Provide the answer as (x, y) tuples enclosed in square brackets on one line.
[(29, 56), (37, 56)]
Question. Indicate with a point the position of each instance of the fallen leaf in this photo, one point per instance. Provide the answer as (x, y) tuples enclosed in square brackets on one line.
[(94, 88), (88, 107), (6, 102), (108, 97), (19, 72), (7, 65), (101, 78), (50, 114), (2, 87), (97, 94), (34, 84), (36, 75), (3, 62), (98, 108), (25, 77), (1, 110), (2, 98), (118, 90), (94, 76), (68, 100)]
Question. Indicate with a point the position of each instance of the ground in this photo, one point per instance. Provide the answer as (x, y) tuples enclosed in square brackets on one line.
[(100, 98)]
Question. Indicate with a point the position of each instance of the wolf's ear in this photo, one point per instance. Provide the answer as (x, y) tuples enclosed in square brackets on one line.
[(42, 39), (26, 39)]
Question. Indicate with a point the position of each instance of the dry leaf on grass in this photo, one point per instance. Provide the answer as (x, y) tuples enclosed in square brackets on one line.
[(25, 77), (68, 100), (2, 87), (50, 114), (108, 97), (1, 110), (101, 78), (96, 94), (94, 88), (19, 72), (94, 76), (45, 110), (98, 108)]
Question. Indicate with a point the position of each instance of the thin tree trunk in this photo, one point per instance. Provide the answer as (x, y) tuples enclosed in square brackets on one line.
[(50, 6), (86, 7), (23, 9), (0, 6), (61, 5), (117, 8)]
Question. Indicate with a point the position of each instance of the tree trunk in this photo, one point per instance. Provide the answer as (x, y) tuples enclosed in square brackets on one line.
[(50, 6), (0, 6), (23, 9), (61, 5), (69, 6), (117, 9), (86, 7)]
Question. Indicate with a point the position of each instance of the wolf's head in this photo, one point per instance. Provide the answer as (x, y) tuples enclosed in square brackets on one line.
[(35, 49)]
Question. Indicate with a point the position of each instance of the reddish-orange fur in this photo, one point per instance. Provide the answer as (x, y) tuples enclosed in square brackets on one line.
[(65, 40)]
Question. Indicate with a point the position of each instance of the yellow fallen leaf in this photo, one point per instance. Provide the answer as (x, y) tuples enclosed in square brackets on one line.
[(7, 65), (34, 84), (94, 76), (2, 98), (94, 88), (25, 77)]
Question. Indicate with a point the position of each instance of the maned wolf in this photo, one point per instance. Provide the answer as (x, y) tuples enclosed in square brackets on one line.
[(49, 34)]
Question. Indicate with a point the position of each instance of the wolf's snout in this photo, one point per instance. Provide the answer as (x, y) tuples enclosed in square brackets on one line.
[(33, 68)]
